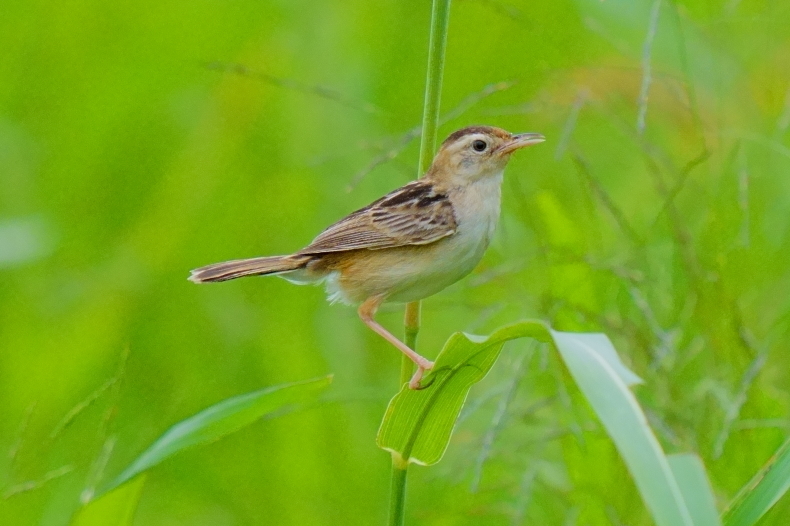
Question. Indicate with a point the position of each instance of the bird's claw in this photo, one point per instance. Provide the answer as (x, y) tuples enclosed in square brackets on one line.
[(414, 383)]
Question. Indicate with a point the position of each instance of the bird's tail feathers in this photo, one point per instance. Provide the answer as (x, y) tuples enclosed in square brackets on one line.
[(248, 267)]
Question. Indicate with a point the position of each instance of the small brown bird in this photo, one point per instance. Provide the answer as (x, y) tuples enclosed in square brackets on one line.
[(411, 243)]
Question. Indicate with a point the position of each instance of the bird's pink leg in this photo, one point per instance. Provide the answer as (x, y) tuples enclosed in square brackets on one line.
[(367, 311)]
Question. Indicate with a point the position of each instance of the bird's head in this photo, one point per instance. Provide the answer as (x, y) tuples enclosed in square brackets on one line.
[(477, 152)]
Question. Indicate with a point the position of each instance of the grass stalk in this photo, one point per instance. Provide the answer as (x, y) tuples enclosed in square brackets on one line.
[(440, 19), (398, 494), (411, 325)]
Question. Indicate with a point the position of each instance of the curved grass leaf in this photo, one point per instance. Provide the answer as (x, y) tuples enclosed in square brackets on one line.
[(115, 508), (617, 408), (222, 419), (418, 424), (762, 492), (695, 487)]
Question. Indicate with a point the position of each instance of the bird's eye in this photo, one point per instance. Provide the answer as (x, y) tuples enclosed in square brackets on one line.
[(479, 146)]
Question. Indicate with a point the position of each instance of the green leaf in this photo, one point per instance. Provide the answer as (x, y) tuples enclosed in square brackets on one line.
[(763, 491), (418, 424), (220, 420), (694, 486), (115, 508), (602, 347), (589, 358)]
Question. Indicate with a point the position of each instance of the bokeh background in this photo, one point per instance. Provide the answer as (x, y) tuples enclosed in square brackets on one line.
[(139, 140)]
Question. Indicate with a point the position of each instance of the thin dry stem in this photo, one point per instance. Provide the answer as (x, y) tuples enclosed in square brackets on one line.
[(647, 78)]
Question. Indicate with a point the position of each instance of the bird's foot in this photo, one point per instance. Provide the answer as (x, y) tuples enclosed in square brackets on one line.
[(414, 383)]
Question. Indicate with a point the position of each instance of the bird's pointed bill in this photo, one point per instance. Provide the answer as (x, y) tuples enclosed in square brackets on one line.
[(521, 140)]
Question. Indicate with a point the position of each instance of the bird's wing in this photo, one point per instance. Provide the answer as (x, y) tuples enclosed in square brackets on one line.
[(415, 214)]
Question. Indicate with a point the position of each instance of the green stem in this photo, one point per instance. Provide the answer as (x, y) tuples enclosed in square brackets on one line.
[(397, 495), (411, 324), (440, 19)]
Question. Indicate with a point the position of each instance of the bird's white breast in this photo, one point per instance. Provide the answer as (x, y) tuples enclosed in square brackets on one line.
[(477, 209), (476, 213)]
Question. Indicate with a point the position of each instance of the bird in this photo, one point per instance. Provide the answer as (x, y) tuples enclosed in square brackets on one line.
[(409, 244)]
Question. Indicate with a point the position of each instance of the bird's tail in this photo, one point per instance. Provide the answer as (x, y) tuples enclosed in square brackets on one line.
[(248, 267)]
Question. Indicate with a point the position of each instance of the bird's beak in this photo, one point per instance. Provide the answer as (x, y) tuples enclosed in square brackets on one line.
[(521, 140)]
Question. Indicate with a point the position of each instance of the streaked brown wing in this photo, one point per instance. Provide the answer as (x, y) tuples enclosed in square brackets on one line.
[(415, 214)]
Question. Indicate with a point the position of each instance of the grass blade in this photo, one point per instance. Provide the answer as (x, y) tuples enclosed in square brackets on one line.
[(589, 359), (220, 420), (762, 492), (418, 424), (115, 508), (694, 486)]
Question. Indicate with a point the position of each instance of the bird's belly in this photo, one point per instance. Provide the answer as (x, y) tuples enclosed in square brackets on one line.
[(407, 273), (448, 264)]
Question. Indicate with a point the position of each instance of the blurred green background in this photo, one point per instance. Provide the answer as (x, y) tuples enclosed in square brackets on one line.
[(140, 140)]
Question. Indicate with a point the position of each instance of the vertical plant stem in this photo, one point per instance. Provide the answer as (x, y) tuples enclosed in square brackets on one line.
[(440, 19), (397, 495), (411, 324)]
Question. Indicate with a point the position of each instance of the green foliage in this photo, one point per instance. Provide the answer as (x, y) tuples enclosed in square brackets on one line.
[(591, 360), (762, 492), (118, 503), (418, 423), (692, 481), (114, 508), (220, 420)]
